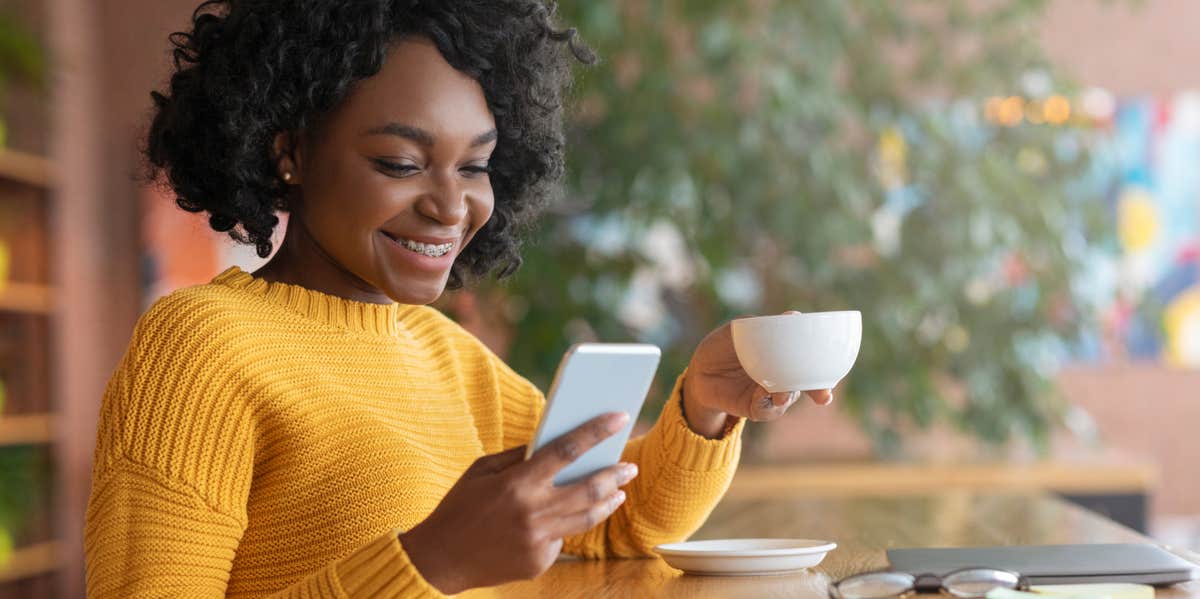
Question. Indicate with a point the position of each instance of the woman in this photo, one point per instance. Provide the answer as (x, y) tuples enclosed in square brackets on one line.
[(313, 429)]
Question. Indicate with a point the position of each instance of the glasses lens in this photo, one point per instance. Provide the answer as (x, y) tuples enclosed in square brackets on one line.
[(875, 585), (977, 582)]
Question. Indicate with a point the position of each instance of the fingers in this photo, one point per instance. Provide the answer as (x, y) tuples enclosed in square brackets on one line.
[(821, 397), (587, 519), (768, 406), (783, 399), (580, 496), (559, 453), (497, 462)]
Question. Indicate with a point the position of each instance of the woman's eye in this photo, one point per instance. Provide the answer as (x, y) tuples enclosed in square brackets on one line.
[(474, 170), (400, 169)]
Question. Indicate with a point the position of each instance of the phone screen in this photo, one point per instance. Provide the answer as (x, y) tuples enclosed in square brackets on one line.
[(593, 379)]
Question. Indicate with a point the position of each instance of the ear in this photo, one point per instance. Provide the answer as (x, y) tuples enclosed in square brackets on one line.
[(287, 157)]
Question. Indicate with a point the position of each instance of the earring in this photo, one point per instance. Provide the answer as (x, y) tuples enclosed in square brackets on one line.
[(287, 176)]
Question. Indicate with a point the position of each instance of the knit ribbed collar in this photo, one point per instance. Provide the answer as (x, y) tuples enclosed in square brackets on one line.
[(365, 317)]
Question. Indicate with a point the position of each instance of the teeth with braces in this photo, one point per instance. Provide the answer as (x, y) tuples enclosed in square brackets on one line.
[(429, 249)]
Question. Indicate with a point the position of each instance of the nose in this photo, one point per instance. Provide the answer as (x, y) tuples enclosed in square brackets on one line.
[(445, 202)]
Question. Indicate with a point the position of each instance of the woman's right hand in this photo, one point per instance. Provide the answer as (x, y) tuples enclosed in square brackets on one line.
[(505, 520)]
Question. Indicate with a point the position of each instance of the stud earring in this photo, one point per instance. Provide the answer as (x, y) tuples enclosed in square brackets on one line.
[(287, 176)]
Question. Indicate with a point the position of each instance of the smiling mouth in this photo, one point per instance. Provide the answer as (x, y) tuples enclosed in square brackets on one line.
[(428, 249)]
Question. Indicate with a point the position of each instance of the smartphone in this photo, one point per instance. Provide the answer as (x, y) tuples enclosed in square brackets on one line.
[(593, 379)]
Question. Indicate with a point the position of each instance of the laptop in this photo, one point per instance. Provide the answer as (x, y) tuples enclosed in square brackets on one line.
[(1055, 564)]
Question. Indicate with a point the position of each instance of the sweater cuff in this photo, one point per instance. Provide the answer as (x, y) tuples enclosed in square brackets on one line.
[(688, 450), (382, 569)]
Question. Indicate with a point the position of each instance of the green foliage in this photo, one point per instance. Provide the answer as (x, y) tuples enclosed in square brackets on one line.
[(751, 157), (21, 57), (20, 53), (23, 477)]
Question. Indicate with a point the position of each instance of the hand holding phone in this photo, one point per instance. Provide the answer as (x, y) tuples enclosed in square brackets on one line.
[(506, 516), (505, 519), (592, 379)]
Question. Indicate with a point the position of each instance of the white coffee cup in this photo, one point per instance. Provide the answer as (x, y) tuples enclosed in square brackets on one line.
[(798, 352)]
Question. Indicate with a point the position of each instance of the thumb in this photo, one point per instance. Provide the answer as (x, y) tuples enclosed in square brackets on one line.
[(497, 462)]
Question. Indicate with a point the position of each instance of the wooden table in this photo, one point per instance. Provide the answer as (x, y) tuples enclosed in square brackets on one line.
[(1102, 474), (1114, 484), (863, 527)]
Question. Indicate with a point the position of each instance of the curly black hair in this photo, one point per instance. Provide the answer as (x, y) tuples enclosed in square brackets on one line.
[(249, 69)]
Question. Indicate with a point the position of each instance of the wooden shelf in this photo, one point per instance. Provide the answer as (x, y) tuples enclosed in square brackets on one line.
[(26, 429), (30, 561), (26, 168), (26, 181), (26, 297)]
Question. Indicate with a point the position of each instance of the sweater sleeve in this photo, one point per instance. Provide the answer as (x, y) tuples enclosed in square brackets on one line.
[(682, 475), (171, 479)]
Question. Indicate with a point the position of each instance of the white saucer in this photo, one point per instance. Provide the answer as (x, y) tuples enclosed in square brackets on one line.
[(745, 557)]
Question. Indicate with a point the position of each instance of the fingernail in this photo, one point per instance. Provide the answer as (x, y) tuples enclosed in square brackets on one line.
[(618, 498), (628, 472), (618, 422)]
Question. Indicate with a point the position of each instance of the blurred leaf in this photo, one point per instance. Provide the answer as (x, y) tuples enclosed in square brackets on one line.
[(20, 53)]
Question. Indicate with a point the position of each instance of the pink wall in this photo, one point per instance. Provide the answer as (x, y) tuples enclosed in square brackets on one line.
[(1129, 47)]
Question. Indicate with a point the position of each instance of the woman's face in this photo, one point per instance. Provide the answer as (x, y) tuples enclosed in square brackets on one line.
[(393, 185)]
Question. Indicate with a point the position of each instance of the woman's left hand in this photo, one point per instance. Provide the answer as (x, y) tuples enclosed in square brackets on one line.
[(717, 387)]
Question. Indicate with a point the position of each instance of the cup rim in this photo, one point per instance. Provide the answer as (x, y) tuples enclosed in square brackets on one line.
[(831, 314)]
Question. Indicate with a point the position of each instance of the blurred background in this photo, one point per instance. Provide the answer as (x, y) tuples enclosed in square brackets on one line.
[(1009, 190)]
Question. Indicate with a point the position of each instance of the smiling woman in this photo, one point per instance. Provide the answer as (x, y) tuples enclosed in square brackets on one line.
[(392, 186), (259, 84), (313, 428)]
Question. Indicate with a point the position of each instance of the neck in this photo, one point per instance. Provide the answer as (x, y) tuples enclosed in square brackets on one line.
[(302, 261)]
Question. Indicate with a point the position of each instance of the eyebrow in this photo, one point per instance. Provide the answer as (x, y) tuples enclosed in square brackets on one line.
[(422, 136)]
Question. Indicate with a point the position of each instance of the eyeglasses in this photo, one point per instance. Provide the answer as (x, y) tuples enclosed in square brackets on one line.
[(967, 583)]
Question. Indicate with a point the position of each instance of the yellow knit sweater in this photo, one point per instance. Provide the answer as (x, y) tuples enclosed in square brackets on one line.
[(262, 438)]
